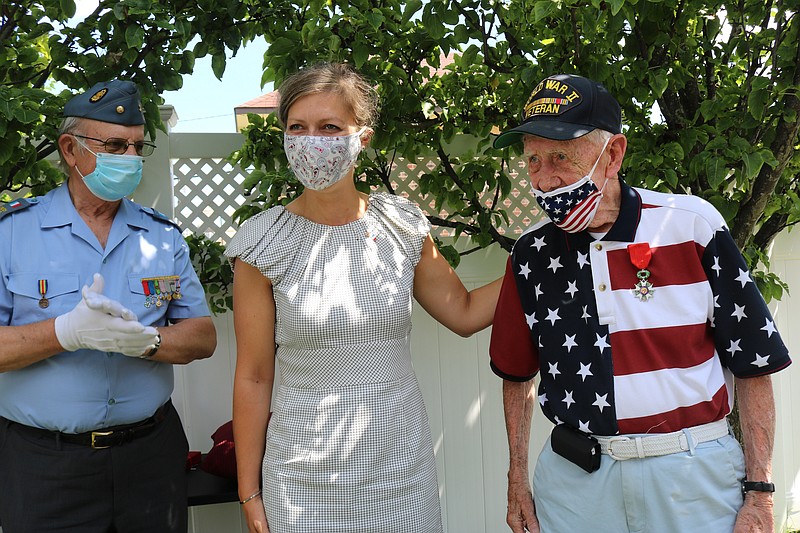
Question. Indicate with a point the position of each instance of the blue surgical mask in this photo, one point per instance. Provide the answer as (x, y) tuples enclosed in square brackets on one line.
[(115, 176)]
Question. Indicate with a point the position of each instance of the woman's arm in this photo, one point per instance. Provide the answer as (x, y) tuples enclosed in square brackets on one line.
[(441, 293), (254, 324)]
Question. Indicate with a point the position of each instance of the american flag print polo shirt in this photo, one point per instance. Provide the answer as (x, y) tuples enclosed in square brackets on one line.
[(612, 362)]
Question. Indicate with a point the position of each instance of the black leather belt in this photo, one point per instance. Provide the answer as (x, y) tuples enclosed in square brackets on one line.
[(106, 437)]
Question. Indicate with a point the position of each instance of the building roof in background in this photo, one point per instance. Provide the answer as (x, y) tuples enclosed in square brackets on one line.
[(260, 104)]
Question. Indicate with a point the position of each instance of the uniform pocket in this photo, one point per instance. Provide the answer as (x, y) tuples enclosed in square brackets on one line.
[(39, 295), (150, 296)]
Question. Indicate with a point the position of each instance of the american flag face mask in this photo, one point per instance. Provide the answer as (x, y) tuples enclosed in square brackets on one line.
[(572, 208)]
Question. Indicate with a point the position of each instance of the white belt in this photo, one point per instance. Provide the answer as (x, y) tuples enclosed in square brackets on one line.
[(621, 447)]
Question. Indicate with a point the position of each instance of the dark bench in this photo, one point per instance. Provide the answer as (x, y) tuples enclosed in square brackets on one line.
[(204, 488)]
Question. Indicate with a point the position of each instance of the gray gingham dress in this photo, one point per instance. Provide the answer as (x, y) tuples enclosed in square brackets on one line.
[(348, 447)]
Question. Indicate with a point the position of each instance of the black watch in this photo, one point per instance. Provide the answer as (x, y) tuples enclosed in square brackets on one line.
[(757, 486)]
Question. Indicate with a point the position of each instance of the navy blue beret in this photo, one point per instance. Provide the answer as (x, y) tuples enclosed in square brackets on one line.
[(115, 101)]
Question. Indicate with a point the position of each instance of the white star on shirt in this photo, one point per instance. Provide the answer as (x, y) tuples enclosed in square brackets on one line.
[(538, 242), (716, 300), (601, 402), (586, 316), (568, 399), (553, 369), (601, 342), (582, 260), (531, 319), (543, 398), (760, 361), (552, 316), (569, 342), (555, 264), (716, 268), (738, 312), (538, 290), (572, 288), (524, 270), (734, 347), (743, 277), (584, 371), (584, 426), (769, 327)]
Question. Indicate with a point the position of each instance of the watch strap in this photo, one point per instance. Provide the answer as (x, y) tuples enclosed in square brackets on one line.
[(154, 349), (758, 486)]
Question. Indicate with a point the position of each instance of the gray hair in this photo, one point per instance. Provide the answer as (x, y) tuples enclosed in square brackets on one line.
[(70, 126), (337, 78), (598, 136)]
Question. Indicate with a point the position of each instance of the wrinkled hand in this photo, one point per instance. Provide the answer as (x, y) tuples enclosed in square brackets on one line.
[(100, 323), (755, 516), (521, 515)]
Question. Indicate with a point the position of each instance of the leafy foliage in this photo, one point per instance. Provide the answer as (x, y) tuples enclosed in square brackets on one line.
[(214, 271), (708, 89), (46, 57)]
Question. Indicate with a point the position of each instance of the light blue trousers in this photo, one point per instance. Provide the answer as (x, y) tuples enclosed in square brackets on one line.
[(697, 491)]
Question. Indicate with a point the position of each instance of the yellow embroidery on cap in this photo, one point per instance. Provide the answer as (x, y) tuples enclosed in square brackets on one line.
[(96, 97)]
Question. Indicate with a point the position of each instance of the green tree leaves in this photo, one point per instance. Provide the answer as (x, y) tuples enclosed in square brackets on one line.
[(708, 89), (46, 56)]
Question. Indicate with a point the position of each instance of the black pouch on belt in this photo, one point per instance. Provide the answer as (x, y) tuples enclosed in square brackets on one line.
[(576, 446)]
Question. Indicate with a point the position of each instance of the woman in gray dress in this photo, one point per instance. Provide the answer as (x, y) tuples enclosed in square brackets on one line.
[(324, 287)]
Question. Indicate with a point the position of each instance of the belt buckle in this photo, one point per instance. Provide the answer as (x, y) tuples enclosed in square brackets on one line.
[(610, 447), (96, 434)]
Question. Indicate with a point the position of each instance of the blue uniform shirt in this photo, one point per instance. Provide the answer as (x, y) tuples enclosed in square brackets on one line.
[(85, 390)]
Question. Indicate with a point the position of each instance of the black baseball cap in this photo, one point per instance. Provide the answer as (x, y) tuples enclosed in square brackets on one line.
[(564, 107), (115, 101)]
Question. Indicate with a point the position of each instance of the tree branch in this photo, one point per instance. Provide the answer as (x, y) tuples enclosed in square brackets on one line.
[(783, 149)]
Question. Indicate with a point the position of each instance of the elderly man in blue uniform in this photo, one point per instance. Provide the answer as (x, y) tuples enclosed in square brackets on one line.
[(98, 301), (637, 312)]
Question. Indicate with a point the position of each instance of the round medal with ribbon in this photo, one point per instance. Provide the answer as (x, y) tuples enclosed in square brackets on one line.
[(640, 254)]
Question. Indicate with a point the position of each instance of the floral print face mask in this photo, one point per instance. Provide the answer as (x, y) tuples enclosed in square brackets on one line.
[(319, 161)]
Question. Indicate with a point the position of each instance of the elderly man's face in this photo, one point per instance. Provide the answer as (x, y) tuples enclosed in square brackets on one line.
[(555, 164), (92, 133)]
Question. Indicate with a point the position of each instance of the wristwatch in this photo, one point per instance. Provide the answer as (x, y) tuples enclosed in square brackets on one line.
[(757, 486), (154, 349)]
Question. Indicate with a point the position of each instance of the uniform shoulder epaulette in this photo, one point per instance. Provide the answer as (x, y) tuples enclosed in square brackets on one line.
[(158, 215), (16, 205)]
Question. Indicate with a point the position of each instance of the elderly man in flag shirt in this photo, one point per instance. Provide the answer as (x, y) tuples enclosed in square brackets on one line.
[(636, 311)]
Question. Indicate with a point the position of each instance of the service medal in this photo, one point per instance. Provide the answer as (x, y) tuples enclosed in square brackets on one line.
[(640, 255), (44, 303)]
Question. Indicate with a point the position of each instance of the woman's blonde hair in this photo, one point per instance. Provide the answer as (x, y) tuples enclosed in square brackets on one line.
[(337, 78)]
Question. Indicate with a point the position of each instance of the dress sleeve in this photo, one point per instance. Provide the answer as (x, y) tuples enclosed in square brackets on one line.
[(405, 219), (267, 241)]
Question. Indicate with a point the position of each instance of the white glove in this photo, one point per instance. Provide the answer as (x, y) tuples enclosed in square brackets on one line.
[(97, 301), (100, 323)]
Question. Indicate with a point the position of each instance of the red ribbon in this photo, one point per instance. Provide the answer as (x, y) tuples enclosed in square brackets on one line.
[(640, 254)]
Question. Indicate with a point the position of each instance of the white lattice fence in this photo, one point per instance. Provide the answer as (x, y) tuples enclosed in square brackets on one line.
[(208, 191)]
